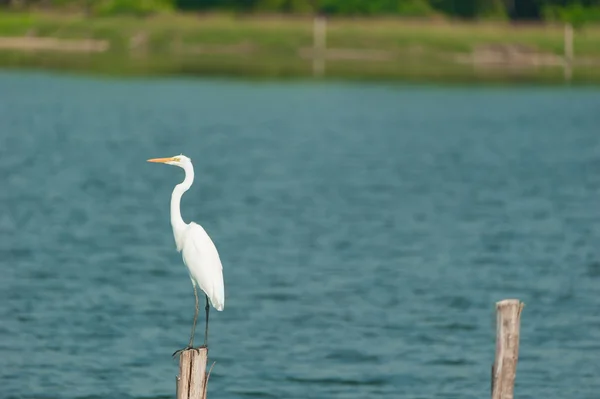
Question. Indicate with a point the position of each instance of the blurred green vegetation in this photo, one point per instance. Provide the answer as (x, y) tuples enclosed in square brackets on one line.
[(366, 39), (577, 11), (265, 46)]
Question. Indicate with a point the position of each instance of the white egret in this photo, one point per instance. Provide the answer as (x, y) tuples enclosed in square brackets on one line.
[(198, 251)]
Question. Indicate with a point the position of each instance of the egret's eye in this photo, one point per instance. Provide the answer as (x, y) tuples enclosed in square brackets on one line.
[(176, 159)]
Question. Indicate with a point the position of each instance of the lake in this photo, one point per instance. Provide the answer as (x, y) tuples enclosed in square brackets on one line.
[(366, 232)]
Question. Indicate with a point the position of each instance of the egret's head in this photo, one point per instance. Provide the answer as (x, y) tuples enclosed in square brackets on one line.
[(178, 160)]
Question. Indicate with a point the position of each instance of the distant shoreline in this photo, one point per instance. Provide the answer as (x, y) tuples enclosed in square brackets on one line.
[(277, 47)]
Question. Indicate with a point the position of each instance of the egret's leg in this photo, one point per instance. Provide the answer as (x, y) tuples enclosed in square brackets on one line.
[(191, 344), (207, 308), (195, 318)]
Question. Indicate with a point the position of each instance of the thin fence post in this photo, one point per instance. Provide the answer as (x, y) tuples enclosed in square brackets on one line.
[(568, 56), (504, 369), (138, 44), (319, 37)]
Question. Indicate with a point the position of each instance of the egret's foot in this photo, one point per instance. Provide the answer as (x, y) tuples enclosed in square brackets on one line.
[(187, 348)]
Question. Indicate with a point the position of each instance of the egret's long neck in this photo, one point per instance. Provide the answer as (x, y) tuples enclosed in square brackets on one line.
[(176, 220)]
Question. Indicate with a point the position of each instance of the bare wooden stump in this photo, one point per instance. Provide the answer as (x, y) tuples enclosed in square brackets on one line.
[(138, 44), (319, 37), (192, 379), (508, 320), (568, 57)]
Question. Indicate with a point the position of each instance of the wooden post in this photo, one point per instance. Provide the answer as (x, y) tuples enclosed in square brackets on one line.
[(319, 37), (192, 379), (508, 320), (138, 44), (568, 61), (87, 8)]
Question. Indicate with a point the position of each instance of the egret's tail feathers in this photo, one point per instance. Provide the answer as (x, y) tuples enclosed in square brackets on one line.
[(218, 306), (218, 303), (218, 296)]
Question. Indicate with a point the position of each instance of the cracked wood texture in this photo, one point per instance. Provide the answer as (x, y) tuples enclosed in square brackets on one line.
[(192, 378), (508, 320)]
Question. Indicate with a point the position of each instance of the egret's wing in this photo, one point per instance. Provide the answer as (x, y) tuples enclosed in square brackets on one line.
[(202, 259)]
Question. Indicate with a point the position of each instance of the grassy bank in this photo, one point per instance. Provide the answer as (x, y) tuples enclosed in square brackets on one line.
[(278, 47)]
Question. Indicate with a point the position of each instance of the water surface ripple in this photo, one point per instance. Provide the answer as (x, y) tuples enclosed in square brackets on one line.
[(366, 233)]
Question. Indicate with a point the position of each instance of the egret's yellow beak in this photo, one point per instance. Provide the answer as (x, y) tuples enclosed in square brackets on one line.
[(162, 160)]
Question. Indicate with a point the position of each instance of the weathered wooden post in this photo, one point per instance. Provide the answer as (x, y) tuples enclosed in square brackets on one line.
[(319, 45), (508, 320), (138, 44), (568, 57), (192, 379)]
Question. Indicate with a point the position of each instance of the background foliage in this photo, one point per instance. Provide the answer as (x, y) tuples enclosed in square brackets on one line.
[(576, 11)]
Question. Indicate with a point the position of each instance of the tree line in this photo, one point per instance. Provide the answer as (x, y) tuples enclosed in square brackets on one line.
[(464, 9)]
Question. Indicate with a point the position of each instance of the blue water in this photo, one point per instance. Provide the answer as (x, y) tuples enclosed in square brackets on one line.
[(366, 233)]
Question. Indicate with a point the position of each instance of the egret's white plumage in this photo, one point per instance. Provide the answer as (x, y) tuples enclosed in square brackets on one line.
[(202, 259), (197, 249)]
